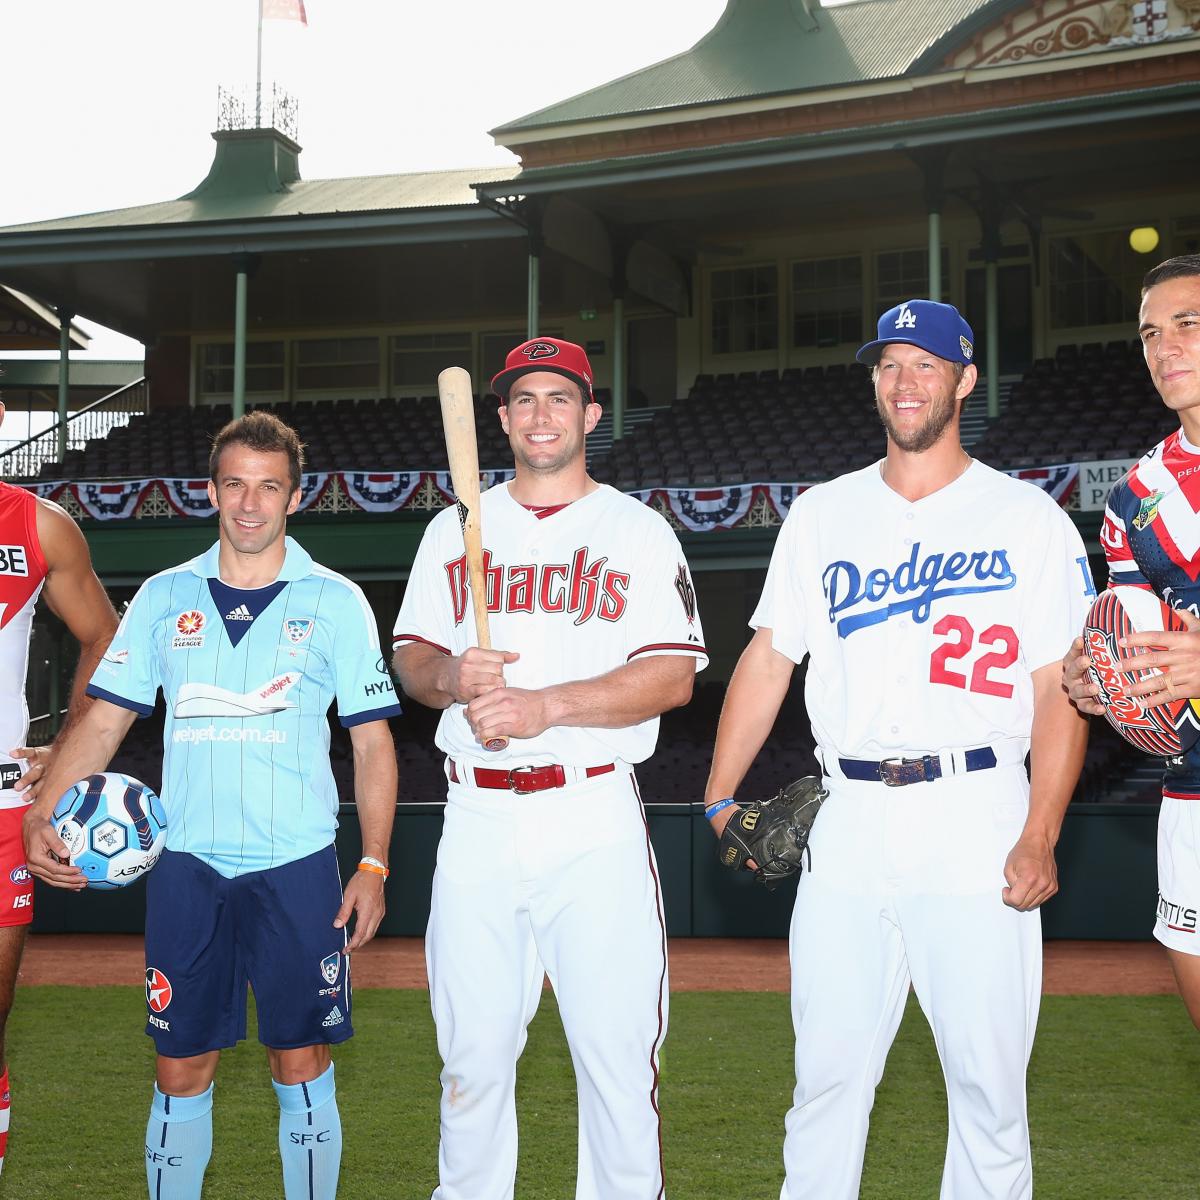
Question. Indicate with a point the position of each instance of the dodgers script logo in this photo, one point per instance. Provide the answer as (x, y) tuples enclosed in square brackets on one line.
[(912, 586)]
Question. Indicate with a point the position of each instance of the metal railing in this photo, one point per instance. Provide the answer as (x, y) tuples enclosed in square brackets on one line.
[(43, 727), (24, 460)]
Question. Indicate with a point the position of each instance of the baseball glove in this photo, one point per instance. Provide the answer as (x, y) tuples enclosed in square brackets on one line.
[(774, 833)]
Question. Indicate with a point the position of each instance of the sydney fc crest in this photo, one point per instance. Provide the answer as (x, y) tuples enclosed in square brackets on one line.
[(298, 628)]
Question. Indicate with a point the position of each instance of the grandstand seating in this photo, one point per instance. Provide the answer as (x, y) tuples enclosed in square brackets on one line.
[(1090, 401)]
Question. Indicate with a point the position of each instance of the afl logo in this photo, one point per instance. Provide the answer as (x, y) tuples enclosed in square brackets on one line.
[(539, 350), (158, 990), (19, 874), (189, 622)]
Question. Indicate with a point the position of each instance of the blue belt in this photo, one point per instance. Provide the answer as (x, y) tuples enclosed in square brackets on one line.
[(898, 772)]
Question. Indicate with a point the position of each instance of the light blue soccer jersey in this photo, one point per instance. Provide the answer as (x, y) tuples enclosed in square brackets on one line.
[(246, 778)]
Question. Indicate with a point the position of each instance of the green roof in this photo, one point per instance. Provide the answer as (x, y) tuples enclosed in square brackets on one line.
[(255, 175), (767, 47)]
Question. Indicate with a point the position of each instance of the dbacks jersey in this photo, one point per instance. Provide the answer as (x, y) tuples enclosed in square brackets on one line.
[(578, 592), (22, 573), (1151, 539), (924, 620)]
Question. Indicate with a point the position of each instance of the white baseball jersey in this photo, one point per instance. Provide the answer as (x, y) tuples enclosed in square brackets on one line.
[(22, 573), (578, 591), (923, 620)]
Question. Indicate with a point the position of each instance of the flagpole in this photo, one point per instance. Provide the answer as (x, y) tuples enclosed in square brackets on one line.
[(258, 74)]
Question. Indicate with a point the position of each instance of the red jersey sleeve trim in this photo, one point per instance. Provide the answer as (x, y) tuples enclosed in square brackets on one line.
[(412, 637), (670, 647)]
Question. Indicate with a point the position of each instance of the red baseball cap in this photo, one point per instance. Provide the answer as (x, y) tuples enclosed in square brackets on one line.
[(546, 354)]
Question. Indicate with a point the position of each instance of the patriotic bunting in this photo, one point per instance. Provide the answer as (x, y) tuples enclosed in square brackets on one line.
[(699, 510), (312, 488), (487, 479), (381, 491), (111, 501), (1061, 482), (188, 497)]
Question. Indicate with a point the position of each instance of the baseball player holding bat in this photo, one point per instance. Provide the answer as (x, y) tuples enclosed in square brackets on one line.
[(545, 865), (934, 598), (1151, 539)]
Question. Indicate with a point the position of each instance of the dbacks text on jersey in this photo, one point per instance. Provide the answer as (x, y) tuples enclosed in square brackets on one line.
[(912, 586), (585, 589)]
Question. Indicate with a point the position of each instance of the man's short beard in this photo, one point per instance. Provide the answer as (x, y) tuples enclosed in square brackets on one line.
[(939, 415)]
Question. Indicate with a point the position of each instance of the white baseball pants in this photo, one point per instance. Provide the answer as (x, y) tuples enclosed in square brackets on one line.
[(905, 887), (562, 882)]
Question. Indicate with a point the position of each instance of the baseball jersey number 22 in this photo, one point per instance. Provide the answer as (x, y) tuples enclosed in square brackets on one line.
[(1003, 654)]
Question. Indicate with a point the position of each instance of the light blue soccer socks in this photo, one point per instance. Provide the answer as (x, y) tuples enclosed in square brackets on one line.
[(310, 1138), (178, 1145)]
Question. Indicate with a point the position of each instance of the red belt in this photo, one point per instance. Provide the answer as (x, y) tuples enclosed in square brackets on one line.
[(524, 780)]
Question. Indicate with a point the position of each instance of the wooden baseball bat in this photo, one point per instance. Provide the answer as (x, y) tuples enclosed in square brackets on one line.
[(462, 449)]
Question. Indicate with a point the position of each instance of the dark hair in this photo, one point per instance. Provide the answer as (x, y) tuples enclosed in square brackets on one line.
[(1182, 266), (264, 432)]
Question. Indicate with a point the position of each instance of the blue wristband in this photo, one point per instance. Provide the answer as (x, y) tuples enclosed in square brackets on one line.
[(718, 806)]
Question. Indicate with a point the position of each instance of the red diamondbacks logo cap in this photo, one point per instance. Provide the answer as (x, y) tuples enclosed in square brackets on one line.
[(546, 354)]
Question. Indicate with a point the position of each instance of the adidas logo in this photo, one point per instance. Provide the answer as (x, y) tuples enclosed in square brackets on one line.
[(241, 613), (335, 1017)]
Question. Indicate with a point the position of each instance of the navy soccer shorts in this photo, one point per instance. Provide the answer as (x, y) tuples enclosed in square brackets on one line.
[(208, 936)]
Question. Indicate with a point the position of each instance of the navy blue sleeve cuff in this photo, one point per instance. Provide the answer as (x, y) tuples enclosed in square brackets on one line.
[(373, 714), (98, 693)]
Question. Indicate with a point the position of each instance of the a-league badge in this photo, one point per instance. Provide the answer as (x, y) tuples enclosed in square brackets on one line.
[(297, 628)]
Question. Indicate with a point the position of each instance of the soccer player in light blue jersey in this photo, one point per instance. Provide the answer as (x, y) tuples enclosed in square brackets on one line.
[(250, 644)]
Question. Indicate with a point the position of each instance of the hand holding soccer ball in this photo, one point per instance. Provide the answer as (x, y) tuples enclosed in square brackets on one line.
[(113, 827)]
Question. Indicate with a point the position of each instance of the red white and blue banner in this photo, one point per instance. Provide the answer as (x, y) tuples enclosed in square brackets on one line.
[(700, 510)]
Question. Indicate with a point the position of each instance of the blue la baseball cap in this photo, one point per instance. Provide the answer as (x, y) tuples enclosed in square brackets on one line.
[(938, 328)]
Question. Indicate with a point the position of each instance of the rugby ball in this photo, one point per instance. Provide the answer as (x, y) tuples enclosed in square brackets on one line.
[(1162, 729)]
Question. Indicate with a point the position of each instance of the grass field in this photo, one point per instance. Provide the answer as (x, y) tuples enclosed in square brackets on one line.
[(1113, 1090)]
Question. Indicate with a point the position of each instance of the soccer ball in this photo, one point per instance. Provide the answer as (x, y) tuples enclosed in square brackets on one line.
[(114, 828)]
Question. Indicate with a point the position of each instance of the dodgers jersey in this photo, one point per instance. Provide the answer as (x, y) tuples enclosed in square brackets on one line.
[(923, 620), (246, 778), (22, 573), (578, 592), (1151, 539)]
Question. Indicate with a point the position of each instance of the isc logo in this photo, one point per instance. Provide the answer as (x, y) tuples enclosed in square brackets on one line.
[(23, 901)]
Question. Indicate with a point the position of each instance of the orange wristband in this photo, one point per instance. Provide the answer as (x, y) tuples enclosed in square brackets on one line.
[(374, 866)]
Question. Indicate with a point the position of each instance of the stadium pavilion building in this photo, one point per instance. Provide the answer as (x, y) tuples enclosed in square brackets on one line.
[(720, 230)]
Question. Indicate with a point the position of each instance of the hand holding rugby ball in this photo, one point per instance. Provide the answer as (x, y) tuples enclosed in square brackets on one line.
[(1166, 729)]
